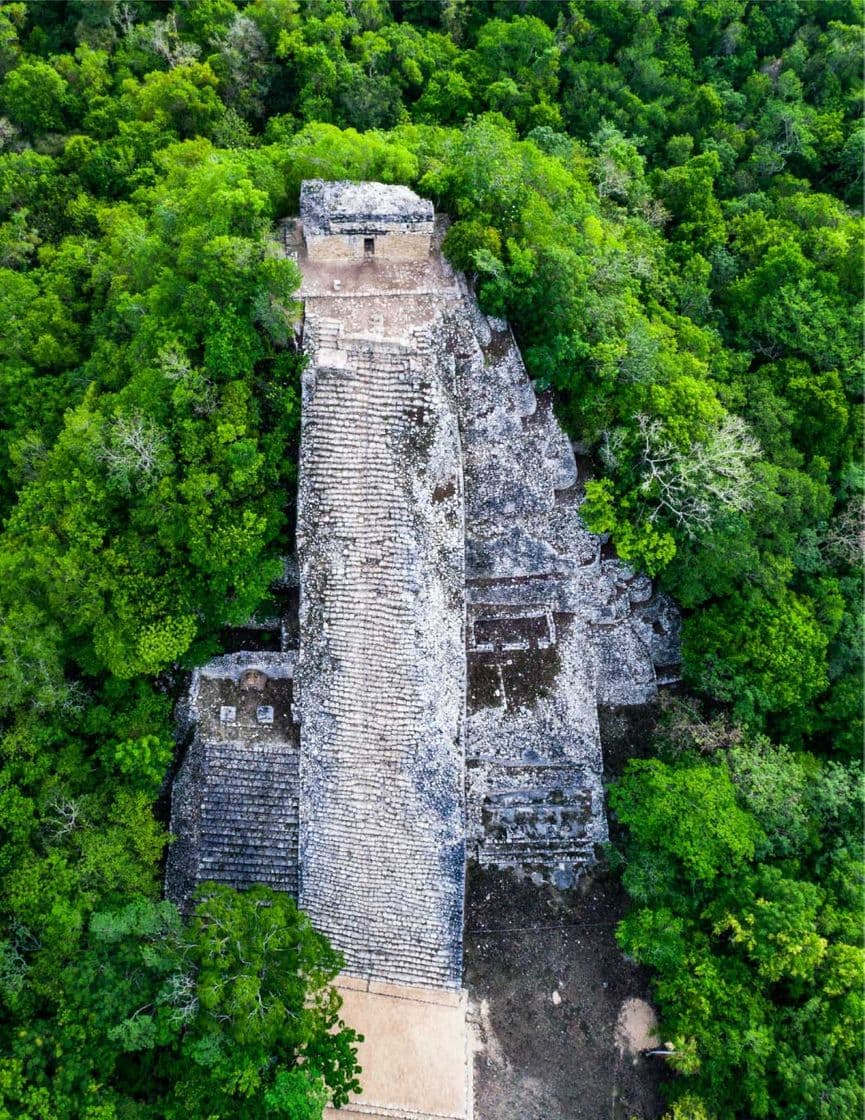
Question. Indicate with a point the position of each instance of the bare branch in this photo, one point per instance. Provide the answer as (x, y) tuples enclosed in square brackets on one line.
[(164, 40), (694, 486), (844, 540), (134, 450), (63, 816)]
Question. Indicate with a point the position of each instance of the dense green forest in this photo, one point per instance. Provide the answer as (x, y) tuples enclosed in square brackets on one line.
[(664, 197)]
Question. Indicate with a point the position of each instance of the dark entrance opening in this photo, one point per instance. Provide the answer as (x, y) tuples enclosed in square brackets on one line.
[(368, 246)]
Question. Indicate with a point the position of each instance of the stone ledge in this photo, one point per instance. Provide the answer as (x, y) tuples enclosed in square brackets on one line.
[(372, 1113)]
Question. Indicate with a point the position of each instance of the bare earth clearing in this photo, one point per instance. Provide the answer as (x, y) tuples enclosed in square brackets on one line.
[(561, 1017)]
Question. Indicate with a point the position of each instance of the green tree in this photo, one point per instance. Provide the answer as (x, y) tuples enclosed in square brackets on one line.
[(263, 987), (756, 950), (34, 95), (688, 813), (168, 1024), (762, 653)]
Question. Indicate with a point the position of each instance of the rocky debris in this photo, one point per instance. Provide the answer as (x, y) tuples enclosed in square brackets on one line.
[(534, 789), (554, 628)]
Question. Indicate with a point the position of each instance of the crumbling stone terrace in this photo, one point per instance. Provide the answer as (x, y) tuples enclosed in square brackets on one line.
[(235, 800)]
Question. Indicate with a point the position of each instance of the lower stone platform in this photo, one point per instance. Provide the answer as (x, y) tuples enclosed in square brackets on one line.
[(416, 1057)]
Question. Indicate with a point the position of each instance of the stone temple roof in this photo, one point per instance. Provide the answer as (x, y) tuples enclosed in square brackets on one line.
[(346, 207)]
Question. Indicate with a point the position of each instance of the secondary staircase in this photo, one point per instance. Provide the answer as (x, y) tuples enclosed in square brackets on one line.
[(537, 827), (249, 815), (323, 333)]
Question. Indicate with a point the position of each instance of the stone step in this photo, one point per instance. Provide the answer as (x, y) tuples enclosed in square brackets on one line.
[(262, 870), (283, 840), (235, 803), (239, 881), (256, 835), (238, 789), (256, 828), (534, 852), (247, 869)]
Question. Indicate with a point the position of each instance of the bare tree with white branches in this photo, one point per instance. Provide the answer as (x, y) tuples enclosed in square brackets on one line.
[(695, 485), (134, 451), (181, 993), (844, 540), (63, 815), (164, 40)]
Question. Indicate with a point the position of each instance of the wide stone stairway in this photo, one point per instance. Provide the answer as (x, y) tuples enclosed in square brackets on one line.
[(381, 670)]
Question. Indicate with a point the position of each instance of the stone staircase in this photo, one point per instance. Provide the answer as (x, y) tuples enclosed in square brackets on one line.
[(374, 848), (323, 333), (537, 826), (422, 342), (249, 815)]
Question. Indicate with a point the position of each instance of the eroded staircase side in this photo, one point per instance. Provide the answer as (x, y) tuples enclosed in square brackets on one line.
[(553, 627), (534, 767)]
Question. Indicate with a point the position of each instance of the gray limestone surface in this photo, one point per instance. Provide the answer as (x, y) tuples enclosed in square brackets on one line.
[(234, 808), (347, 207)]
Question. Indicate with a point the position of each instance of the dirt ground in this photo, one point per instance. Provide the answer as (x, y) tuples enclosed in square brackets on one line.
[(562, 1016)]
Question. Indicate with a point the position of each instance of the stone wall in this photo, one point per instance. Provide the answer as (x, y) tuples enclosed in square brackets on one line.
[(534, 777), (388, 246), (554, 628), (338, 218)]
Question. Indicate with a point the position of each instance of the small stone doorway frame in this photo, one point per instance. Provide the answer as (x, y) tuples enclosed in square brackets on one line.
[(368, 248)]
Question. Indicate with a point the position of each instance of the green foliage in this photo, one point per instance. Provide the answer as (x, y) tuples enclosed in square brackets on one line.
[(182, 100), (263, 990), (689, 1108), (761, 653), (688, 813), (166, 1023), (144, 761), (641, 544), (661, 200), (671, 243), (33, 95), (298, 1093), (758, 961), (160, 497)]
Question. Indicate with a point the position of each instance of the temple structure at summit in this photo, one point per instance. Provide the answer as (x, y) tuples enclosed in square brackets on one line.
[(450, 627)]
